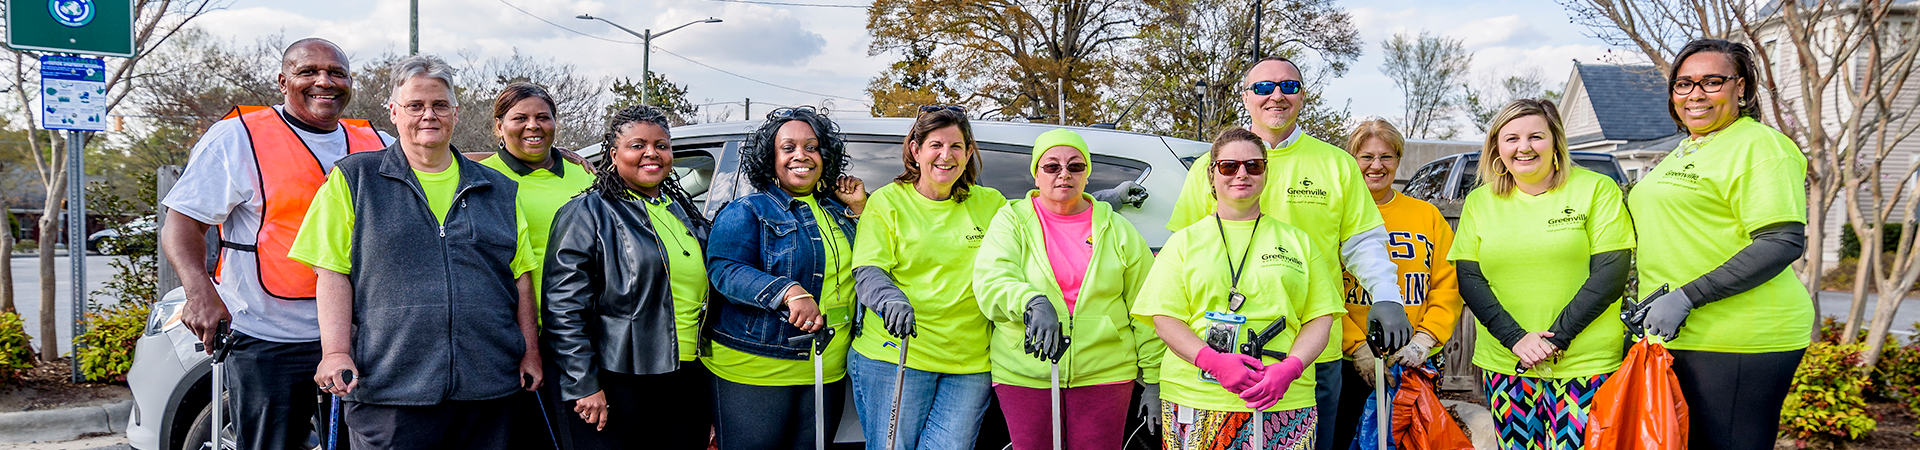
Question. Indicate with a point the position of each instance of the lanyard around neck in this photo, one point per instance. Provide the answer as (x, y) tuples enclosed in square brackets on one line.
[(1234, 299)]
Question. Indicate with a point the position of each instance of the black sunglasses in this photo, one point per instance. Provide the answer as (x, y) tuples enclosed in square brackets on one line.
[(1054, 168), (785, 113), (1288, 87), (931, 108), (1228, 167)]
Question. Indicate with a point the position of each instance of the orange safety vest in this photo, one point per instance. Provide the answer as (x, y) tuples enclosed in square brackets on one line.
[(289, 177)]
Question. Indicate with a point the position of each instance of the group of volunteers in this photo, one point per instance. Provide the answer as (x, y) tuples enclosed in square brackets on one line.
[(512, 298)]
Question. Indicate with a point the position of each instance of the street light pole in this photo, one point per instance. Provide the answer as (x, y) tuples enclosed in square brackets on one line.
[(646, 55)]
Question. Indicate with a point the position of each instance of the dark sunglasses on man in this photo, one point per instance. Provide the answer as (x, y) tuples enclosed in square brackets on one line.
[(1229, 167), (1288, 87)]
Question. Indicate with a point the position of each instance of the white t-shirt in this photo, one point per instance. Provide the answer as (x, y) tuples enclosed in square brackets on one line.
[(220, 186)]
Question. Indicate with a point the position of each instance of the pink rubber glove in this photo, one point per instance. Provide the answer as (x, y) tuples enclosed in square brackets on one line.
[(1235, 371), (1275, 379)]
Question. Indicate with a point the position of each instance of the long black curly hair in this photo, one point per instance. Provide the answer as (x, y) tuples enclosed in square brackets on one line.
[(756, 159), (606, 179)]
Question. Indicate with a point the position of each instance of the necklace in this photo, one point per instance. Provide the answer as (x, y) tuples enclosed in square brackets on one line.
[(1234, 299)]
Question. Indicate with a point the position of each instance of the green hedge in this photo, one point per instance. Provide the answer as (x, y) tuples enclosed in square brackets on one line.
[(16, 352)]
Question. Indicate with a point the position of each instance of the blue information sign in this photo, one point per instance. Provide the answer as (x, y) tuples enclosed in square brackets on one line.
[(73, 93)]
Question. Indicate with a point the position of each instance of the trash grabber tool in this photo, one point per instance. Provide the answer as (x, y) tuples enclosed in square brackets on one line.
[(1057, 442), (899, 384), (1255, 346), (820, 341), (1376, 340), (333, 418), (222, 344), (526, 381)]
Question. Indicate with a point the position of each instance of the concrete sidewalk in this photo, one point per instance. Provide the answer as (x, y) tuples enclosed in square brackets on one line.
[(64, 424)]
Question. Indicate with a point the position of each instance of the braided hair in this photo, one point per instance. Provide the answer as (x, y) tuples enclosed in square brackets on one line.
[(756, 157), (606, 179)]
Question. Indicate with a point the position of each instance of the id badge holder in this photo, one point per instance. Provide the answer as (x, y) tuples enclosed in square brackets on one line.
[(838, 316), (1222, 335)]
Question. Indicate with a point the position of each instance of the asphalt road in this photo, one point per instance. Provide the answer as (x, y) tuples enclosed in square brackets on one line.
[(26, 293), (114, 442), (1835, 304)]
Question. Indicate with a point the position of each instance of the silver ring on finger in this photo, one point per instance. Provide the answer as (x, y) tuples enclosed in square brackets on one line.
[(807, 323)]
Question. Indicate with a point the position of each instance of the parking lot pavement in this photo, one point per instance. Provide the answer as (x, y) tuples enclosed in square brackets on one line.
[(114, 442), (1835, 304), (26, 292)]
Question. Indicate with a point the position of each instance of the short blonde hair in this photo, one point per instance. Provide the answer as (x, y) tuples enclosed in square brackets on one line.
[(1501, 180), (1376, 129)]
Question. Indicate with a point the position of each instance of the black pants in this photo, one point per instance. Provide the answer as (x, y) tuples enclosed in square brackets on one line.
[(751, 417), (1353, 401), (1326, 395), (478, 425), (271, 399), (673, 410), (536, 417), (1734, 399)]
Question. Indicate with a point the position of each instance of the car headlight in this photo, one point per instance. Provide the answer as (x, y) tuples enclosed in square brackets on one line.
[(165, 316)]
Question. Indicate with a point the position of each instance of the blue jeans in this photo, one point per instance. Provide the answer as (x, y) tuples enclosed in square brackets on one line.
[(938, 411)]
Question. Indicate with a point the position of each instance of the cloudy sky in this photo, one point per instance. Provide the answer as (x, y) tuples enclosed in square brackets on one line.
[(812, 53)]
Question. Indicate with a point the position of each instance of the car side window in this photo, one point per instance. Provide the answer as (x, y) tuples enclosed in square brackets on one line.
[(1424, 185), (1469, 177)]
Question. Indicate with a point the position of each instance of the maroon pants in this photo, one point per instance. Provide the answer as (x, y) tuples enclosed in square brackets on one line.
[(1092, 417)]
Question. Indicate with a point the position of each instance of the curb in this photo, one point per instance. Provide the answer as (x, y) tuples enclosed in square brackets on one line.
[(1479, 423), (64, 424)]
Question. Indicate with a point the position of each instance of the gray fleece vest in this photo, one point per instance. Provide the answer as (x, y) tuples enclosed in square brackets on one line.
[(433, 304)]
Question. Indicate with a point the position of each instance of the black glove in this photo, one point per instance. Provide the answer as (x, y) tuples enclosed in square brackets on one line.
[(898, 316), (1391, 317), (1043, 329), (1125, 193), (1664, 317)]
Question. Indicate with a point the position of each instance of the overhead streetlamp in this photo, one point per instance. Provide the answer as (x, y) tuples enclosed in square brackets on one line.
[(1200, 112), (646, 54)]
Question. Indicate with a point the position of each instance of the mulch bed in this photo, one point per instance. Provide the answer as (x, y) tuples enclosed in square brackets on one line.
[(49, 386)]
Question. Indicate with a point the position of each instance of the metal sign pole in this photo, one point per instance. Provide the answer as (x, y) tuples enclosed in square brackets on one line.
[(77, 242)]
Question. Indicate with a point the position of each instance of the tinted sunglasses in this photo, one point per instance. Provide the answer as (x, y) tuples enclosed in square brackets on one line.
[(931, 108), (1288, 87), (1054, 168), (1230, 167), (784, 113)]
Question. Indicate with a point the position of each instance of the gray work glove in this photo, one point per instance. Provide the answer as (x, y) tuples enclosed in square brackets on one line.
[(897, 316), (1414, 354), (1043, 329), (1125, 193), (1666, 314), (1363, 364), (1150, 406), (1391, 317)]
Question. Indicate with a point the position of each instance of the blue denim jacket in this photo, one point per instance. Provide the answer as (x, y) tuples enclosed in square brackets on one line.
[(762, 244)]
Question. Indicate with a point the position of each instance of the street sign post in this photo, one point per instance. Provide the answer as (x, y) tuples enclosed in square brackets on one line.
[(93, 27), (73, 97)]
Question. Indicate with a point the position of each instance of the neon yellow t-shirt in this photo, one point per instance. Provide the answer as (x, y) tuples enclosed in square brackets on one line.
[(326, 237), (928, 246), (1191, 277), (1696, 209), (686, 273), (1535, 252), (542, 193), (836, 302), (1311, 185)]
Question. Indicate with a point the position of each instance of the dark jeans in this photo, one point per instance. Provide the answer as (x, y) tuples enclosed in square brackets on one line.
[(1734, 399), (271, 399), (1326, 396), (475, 425), (673, 410), (772, 417)]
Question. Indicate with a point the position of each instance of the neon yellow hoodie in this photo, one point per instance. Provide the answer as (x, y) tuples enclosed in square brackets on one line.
[(1108, 346)]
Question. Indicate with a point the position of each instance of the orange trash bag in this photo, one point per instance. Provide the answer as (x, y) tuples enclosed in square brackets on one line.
[(1419, 421), (1639, 407)]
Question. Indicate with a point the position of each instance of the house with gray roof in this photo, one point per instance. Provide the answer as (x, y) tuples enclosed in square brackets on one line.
[(1622, 110)]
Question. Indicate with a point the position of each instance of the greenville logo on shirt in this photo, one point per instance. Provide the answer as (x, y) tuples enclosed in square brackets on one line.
[(1306, 193), (973, 239), (1682, 177), (1280, 256), (1569, 220)]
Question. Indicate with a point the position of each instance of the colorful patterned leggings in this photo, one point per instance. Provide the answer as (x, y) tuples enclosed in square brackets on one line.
[(1200, 429), (1540, 413)]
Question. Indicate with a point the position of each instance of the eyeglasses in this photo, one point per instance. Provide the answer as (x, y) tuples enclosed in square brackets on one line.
[(1054, 168), (1288, 87), (420, 109), (1709, 84), (786, 113), (1229, 167), (931, 108)]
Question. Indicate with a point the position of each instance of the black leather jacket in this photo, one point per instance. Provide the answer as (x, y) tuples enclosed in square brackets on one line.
[(608, 299)]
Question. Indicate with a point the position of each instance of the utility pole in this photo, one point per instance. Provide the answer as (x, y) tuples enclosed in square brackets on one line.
[(747, 111), (646, 53), (1060, 95), (413, 31), (76, 245), (1200, 111), (1259, 13)]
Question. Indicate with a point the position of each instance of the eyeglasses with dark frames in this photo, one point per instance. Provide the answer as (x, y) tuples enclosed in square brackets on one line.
[(1709, 84)]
